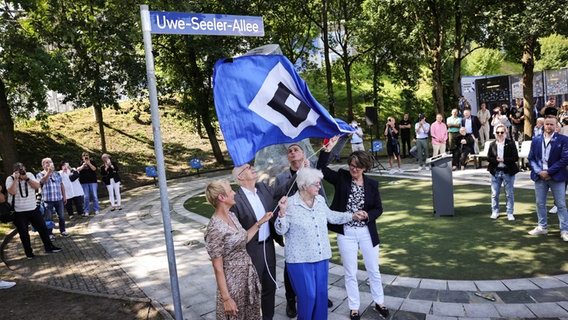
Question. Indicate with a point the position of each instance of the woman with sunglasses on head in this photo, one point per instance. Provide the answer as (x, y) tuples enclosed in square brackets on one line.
[(358, 194), (502, 157)]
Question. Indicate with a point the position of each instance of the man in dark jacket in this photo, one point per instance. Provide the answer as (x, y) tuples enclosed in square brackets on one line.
[(502, 157)]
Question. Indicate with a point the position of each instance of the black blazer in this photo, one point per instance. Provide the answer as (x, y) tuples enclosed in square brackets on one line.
[(510, 157), (341, 180), (245, 213), (475, 126)]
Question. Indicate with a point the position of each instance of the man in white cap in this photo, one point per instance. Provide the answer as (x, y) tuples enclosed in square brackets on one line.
[(357, 138)]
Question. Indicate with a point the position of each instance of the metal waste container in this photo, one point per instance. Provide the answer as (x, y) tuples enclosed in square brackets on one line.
[(442, 184)]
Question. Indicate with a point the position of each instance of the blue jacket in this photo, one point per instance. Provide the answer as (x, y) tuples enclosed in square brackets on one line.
[(557, 159)]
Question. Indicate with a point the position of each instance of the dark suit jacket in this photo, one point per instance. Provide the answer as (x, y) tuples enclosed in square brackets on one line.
[(342, 182), (475, 125), (557, 159), (510, 157)]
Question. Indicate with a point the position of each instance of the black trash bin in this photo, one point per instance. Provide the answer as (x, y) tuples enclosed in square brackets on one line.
[(442, 184)]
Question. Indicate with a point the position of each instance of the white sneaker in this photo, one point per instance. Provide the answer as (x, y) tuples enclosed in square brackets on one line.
[(400, 170), (553, 210), (494, 215), (427, 168), (6, 284), (51, 237), (510, 217), (564, 235), (392, 171), (538, 231), (97, 212)]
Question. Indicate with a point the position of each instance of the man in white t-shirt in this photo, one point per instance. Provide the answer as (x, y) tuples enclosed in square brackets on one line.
[(21, 187)]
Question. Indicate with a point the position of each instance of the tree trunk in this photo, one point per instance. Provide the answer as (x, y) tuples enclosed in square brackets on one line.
[(457, 50), (438, 89), (328, 75), (202, 95), (98, 109), (528, 74), (348, 88), (8, 151)]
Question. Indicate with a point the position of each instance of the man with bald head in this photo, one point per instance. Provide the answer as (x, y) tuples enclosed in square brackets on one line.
[(252, 201)]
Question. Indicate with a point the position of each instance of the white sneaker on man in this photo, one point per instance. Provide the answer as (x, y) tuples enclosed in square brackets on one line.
[(6, 284), (564, 235), (427, 167), (392, 171), (510, 217), (494, 215), (553, 210), (538, 231), (400, 170)]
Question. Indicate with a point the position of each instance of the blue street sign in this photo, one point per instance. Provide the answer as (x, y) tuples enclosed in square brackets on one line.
[(205, 24)]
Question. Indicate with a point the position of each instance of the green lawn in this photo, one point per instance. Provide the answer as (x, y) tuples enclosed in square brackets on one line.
[(468, 246)]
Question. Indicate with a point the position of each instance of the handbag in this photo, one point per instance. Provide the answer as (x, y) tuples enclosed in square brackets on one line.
[(7, 211)]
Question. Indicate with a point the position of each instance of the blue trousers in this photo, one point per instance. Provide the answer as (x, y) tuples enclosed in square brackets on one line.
[(309, 281)]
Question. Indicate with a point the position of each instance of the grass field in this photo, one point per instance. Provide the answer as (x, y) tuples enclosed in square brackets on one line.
[(468, 246)]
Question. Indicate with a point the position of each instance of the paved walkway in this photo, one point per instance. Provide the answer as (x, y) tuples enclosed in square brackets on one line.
[(122, 254)]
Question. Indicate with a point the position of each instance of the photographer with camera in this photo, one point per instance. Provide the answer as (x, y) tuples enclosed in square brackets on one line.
[(88, 178), (53, 194), (357, 137), (393, 146), (21, 187)]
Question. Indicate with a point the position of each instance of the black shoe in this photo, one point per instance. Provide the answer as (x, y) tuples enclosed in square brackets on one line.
[(53, 250), (291, 311), (355, 316), (30, 256), (329, 303), (383, 311)]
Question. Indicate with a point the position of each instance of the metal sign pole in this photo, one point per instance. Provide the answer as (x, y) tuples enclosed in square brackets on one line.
[(151, 74)]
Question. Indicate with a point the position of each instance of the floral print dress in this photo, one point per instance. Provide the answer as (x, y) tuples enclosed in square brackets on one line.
[(223, 240)]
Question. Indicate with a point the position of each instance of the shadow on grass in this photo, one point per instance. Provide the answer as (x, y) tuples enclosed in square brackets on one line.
[(468, 246)]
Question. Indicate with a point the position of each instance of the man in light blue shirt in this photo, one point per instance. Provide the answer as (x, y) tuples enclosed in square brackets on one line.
[(357, 138), (422, 128)]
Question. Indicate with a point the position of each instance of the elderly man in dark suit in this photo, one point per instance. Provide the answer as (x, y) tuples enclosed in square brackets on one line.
[(253, 200), (472, 126), (548, 158)]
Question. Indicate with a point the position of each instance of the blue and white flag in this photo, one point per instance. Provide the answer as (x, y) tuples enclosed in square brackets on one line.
[(261, 101)]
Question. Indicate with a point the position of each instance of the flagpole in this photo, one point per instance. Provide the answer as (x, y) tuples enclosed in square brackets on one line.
[(160, 163)]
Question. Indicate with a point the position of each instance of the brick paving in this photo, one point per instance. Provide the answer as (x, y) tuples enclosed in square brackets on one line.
[(122, 254)]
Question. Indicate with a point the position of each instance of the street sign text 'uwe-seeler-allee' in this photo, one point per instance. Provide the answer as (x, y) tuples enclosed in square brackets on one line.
[(205, 24)]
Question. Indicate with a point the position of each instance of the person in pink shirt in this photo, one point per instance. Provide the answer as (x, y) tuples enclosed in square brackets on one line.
[(439, 133)]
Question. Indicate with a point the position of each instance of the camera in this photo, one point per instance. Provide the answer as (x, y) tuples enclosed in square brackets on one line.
[(21, 170)]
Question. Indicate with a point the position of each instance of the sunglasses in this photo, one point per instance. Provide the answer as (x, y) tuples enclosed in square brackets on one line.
[(500, 132), (242, 171)]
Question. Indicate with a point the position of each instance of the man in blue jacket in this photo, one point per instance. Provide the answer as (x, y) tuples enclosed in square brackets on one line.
[(548, 158)]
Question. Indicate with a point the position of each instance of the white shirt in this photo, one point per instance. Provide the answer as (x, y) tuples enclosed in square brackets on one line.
[(25, 194), (500, 152), (259, 212)]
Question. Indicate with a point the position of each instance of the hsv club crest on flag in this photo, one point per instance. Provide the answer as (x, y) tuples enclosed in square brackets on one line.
[(261, 101)]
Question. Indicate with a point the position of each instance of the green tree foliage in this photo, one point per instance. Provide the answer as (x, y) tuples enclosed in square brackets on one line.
[(554, 53), (27, 71), (483, 62), (100, 42), (519, 24)]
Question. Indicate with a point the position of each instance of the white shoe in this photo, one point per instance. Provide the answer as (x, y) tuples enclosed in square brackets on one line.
[(392, 171), (494, 215), (553, 210), (6, 284), (510, 217), (564, 235), (400, 170), (427, 168), (97, 212), (538, 231)]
